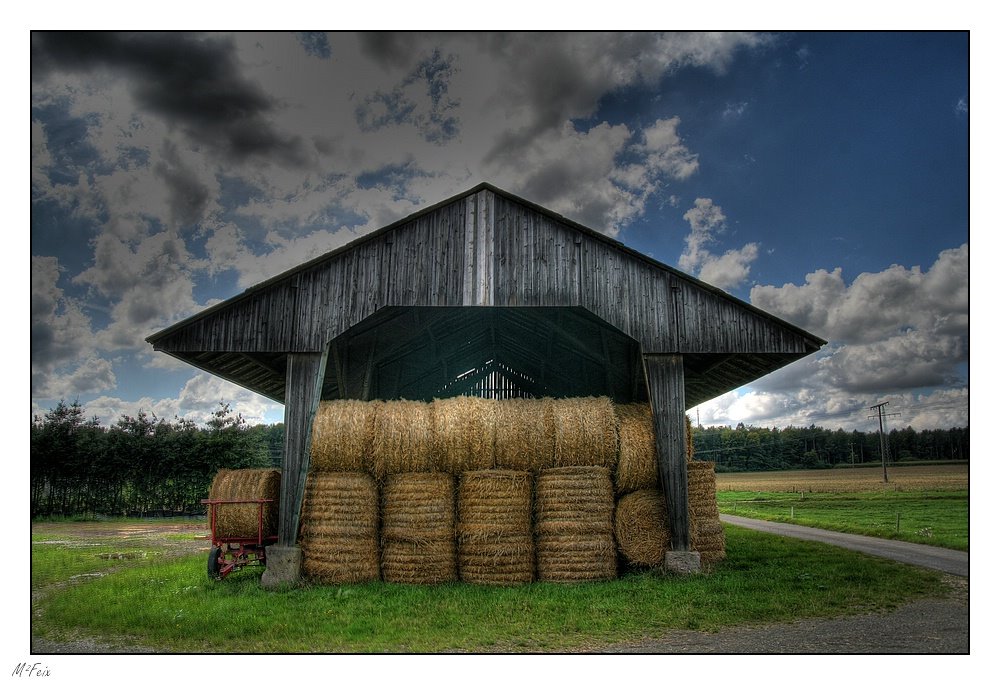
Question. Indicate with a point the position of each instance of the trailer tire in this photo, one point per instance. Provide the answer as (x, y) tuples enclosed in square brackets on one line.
[(214, 557)]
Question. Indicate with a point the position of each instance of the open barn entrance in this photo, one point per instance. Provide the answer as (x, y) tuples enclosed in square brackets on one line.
[(420, 353)]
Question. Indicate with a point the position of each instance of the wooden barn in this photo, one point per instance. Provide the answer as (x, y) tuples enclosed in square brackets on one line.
[(485, 293)]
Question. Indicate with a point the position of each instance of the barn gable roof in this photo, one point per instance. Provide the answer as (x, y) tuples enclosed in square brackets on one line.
[(485, 285)]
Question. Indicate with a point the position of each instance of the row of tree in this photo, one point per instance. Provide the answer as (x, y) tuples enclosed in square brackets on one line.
[(140, 466), (749, 448)]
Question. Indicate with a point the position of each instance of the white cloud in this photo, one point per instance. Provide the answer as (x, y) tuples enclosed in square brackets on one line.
[(92, 375), (196, 401), (60, 330), (726, 271)]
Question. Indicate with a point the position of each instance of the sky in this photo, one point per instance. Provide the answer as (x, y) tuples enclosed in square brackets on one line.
[(821, 176)]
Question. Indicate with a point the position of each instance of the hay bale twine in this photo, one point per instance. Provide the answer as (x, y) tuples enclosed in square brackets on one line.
[(463, 433), (641, 529), (403, 440), (636, 468), (524, 434), (574, 538), (338, 532), (241, 520), (495, 544), (418, 528), (584, 432), (342, 436)]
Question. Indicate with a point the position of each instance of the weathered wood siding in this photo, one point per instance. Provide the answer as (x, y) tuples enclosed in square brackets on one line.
[(485, 249)]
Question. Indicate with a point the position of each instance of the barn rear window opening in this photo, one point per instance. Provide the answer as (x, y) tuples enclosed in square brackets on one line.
[(490, 296)]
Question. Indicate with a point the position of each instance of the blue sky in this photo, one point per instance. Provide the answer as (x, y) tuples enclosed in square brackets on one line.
[(823, 177)]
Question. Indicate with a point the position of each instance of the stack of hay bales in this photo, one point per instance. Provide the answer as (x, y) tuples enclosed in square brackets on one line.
[(418, 528), (574, 535), (495, 544), (241, 520), (339, 528), (463, 434), (524, 436), (707, 535), (641, 528)]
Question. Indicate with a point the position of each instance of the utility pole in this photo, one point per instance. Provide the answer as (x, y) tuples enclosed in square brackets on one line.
[(881, 434)]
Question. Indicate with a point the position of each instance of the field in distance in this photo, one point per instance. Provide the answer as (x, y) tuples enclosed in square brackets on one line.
[(927, 504)]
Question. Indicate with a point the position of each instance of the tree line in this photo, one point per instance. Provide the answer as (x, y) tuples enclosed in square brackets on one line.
[(750, 448), (141, 465)]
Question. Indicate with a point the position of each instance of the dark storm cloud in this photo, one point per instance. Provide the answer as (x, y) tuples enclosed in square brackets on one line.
[(191, 81), (187, 196), (389, 49)]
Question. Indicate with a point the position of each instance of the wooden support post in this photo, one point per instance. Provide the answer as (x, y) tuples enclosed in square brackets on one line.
[(303, 385), (665, 382)]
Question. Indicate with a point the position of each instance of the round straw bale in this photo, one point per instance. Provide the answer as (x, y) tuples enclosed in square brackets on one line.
[(418, 528), (636, 448), (463, 433), (495, 545), (403, 441), (342, 435), (641, 527), (241, 520), (585, 433), (524, 435), (338, 532), (574, 538)]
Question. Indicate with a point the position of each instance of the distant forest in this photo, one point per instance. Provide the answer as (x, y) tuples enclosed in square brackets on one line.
[(748, 448), (143, 465)]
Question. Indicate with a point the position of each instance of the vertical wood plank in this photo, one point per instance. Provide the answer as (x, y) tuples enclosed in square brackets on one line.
[(665, 382), (303, 384)]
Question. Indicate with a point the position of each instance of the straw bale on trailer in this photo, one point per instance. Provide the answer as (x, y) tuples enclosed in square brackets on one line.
[(342, 437), (339, 528), (404, 438), (463, 433), (241, 520), (495, 545), (524, 437), (418, 528), (641, 527), (585, 433), (636, 448), (574, 537)]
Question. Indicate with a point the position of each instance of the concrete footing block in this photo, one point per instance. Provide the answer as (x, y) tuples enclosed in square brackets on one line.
[(684, 563), (284, 567)]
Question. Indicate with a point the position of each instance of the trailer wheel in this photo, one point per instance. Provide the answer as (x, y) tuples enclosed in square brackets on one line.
[(214, 557)]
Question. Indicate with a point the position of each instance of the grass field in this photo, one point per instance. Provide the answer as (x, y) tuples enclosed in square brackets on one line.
[(924, 504), (151, 589)]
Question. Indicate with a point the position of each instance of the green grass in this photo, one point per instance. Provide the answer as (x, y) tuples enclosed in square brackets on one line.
[(54, 559), (171, 605), (934, 517)]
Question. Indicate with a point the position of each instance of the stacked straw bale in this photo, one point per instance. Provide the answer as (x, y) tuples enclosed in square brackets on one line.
[(585, 432), (641, 528), (636, 449), (339, 528), (574, 537), (463, 433), (707, 536), (404, 438), (524, 437), (342, 436), (418, 528), (240, 520), (495, 545)]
